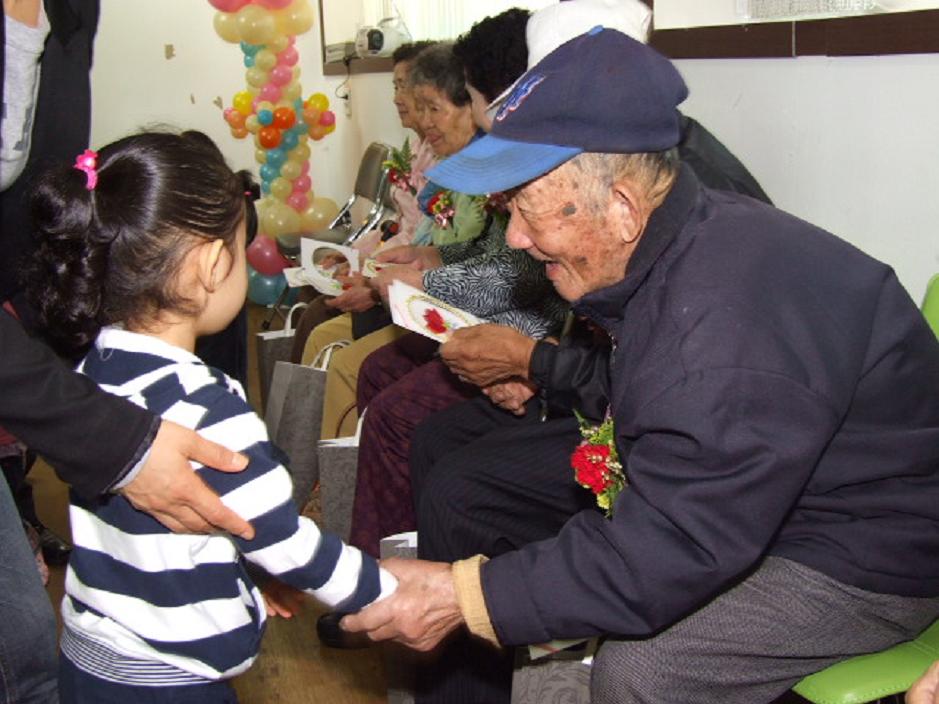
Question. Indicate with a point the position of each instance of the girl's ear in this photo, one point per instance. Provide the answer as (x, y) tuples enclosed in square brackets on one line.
[(212, 266)]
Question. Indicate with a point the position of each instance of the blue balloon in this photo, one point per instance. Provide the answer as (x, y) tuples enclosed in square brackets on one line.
[(250, 49), (288, 141), (265, 188), (298, 105), (265, 117), (249, 61), (268, 171), (300, 128), (277, 156), (264, 290)]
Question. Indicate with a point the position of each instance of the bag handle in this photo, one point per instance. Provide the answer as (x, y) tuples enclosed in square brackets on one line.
[(325, 355), (288, 322)]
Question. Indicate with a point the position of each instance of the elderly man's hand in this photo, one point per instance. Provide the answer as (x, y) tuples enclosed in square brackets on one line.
[(926, 689), (381, 281), (486, 354), (421, 612), (421, 258), (512, 395), (168, 489)]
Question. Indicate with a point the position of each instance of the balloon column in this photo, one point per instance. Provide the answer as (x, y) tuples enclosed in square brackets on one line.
[(272, 110)]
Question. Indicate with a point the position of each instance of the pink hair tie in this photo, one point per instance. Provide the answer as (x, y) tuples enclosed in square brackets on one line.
[(87, 161)]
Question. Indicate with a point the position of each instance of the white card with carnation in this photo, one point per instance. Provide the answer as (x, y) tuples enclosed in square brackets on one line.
[(422, 313)]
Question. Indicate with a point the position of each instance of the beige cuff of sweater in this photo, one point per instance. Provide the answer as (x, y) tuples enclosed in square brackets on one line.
[(469, 594)]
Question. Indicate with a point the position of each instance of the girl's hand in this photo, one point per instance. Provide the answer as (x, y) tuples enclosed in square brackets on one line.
[(281, 599)]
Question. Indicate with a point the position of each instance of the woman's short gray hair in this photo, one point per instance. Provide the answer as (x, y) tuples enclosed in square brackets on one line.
[(438, 66)]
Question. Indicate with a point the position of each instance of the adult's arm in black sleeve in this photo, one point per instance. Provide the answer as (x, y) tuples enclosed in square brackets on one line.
[(572, 376), (90, 437)]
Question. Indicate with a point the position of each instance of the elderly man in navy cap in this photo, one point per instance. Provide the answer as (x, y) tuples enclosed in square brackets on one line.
[(773, 407)]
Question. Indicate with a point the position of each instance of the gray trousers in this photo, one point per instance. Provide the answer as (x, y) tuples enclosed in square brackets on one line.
[(754, 642)]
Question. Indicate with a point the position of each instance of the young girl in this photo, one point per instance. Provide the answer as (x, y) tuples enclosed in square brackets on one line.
[(142, 250)]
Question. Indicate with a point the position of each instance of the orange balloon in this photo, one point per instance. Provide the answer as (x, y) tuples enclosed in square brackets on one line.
[(284, 118), (239, 133), (269, 137), (317, 132)]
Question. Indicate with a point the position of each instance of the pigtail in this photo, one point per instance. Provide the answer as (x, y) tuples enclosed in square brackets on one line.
[(67, 272)]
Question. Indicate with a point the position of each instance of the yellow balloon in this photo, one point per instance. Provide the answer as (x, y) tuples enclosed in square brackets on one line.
[(320, 213), (296, 18), (318, 101), (280, 219), (256, 24), (278, 43), (292, 92), (242, 102), (256, 76), (290, 170), (260, 155), (331, 128), (301, 152), (265, 105), (253, 90), (265, 59), (252, 125), (281, 188), (226, 26)]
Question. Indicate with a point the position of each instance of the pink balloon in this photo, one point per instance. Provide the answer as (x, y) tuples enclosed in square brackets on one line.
[(327, 118), (288, 57), (298, 201), (304, 168), (270, 92), (272, 4), (228, 5), (302, 184), (281, 76), (264, 257)]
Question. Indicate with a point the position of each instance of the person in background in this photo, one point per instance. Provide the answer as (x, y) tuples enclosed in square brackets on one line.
[(772, 409), (142, 249), (358, 299)]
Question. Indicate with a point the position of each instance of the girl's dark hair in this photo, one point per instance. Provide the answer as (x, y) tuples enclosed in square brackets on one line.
[(494, 52), (407, 52), (112, 254), (439, 67)]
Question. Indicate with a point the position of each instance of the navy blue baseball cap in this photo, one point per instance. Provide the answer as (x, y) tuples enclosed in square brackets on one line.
[(600, 92)]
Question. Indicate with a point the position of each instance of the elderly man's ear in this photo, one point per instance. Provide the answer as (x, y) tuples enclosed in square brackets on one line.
[(629, 210)]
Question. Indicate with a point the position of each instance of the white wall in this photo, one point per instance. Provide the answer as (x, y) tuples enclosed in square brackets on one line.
[(847, 143)]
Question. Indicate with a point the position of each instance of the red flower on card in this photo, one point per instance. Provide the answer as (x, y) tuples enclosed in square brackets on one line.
[(435, 322)]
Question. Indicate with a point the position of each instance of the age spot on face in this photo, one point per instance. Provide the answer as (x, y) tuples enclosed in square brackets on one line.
[(568, 210)]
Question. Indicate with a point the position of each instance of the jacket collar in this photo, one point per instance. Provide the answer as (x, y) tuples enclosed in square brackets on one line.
[(605, 305)]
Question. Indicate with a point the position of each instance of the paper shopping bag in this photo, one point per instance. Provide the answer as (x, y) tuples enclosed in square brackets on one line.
[(272, 347), (293, 417)]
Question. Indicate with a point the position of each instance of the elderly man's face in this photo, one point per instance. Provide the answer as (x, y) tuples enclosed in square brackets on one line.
[(552, 222)]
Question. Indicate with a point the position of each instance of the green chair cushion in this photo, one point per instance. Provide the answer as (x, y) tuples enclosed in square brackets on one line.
[(866, 678)]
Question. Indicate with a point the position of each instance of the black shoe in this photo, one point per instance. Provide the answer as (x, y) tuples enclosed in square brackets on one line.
[(55, 550), (332, 636)]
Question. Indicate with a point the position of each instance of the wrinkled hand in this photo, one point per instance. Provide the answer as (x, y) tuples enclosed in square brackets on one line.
[(421, 258), (421, 612), (926, 689), (356, 297), (281, 599), (381, 281), (168, 489), (486, 354), (512, 395)]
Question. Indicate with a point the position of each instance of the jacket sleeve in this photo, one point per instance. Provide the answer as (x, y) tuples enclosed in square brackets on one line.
[(702, 505), (83, 432), (572, 376)]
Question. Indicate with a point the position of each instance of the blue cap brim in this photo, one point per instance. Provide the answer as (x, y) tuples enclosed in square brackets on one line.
[(493, 164)]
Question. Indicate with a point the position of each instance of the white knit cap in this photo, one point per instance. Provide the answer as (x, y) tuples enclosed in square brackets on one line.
[(557, 24)]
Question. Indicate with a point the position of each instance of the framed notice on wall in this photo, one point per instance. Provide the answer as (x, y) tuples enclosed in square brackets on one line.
[(768, 28)]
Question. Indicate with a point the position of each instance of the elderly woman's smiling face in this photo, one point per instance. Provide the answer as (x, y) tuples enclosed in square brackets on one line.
[(447, 127)]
